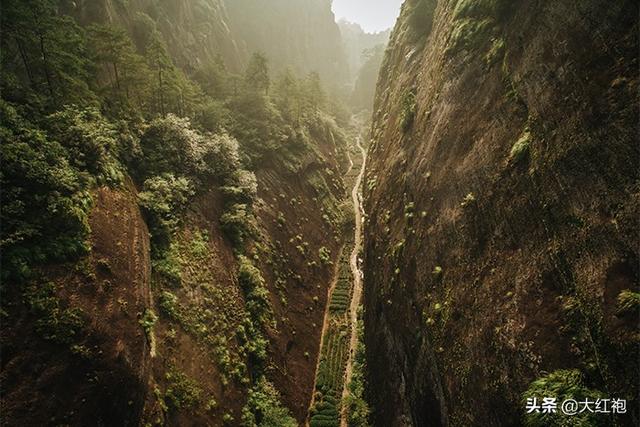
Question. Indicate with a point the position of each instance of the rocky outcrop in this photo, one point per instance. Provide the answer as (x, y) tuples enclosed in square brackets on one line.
[(502, 194)]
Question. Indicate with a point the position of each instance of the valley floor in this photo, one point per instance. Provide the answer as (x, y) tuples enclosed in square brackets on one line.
[(339, 334)]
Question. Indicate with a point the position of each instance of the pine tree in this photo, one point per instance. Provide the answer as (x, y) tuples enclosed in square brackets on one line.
[(257, 73)]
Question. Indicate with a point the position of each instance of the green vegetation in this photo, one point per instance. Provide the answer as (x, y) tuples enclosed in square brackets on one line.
[(561, 384), (475, 22), (263, 408), (182, 391), (84, 108), (357, 407), (54, 322), (520, 149), (628, 302), (408, 110)]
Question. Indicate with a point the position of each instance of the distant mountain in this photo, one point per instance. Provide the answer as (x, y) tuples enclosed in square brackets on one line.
[(300, 34), (356, 41)]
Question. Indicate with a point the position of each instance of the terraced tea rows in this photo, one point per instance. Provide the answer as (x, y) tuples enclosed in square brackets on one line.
[(326, 408)]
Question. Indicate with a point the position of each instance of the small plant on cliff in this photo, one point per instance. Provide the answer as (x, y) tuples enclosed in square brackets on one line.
[(53, 321), (520, 149), (628, 302), (236, 223), (182, 391), (408, 112), (325, 255)]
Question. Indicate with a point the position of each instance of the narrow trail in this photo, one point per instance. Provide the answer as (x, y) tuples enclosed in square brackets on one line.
[(326, 318), (357, 282)]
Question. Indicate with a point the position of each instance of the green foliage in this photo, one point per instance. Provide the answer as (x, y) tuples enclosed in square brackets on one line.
[(169, 304), (480, 8), (44, 55), (469, 34), (408, 110), (257, 73), (325, 255), (163, 198), (254, 288), (45, 199), (182, 391), (420, 17), (628, 302), (122, 75), (236, 223), (168, 266), (561, 384), (520, 149), (90, 140), (53, 321), (263, 408)]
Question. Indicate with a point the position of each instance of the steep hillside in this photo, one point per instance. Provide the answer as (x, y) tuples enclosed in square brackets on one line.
[(168, 229), (501, 243), (196, 33)]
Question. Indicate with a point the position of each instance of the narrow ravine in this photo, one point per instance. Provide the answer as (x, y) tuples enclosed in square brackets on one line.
[(357, 282), (339, 334)]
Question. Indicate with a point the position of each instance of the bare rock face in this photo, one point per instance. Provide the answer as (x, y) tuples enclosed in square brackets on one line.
[(502, 202)]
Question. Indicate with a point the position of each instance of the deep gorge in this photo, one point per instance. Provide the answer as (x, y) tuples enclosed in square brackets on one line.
[(244, 213)]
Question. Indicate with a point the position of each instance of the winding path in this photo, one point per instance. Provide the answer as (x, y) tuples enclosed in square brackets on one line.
[(357, 283)]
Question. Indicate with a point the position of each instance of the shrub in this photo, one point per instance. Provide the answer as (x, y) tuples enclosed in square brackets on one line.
[(236, 223), (90, 140), (253, 285), (264, 409), (182, 391), (628, 302), (53, 322), (521, 148), (163, 198), (171, 145), (325, 255), (408, 112)]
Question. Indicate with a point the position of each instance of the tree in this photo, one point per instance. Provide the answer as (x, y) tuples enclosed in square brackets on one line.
[(257, 73), (127, 72), (160, 62), (52, 52)]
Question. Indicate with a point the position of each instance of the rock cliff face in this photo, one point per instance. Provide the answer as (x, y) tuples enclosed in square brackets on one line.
[(195, 32), (502, 194)]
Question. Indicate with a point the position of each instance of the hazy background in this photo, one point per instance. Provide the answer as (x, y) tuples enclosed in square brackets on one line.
[(372, 15)]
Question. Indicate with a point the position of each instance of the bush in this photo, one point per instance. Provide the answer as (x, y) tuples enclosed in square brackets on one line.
[(254, 288), (264, 409), (163, 198), (325, 255), (53, 322), (520, 149), (182, 391), (236, 223), (91, 142), (171, 145), (628, 302), (408, 112)]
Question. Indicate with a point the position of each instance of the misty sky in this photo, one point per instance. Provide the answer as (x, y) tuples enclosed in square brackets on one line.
[(372, 15)]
